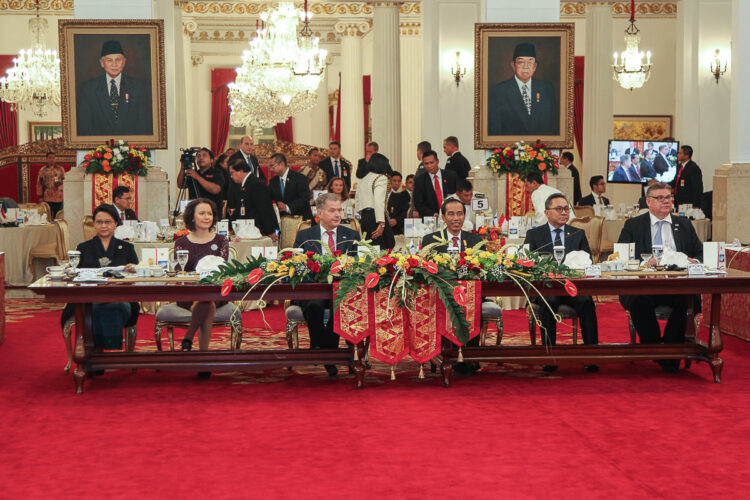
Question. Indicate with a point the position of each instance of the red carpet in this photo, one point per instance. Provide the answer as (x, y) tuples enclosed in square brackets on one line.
[(629, 431)]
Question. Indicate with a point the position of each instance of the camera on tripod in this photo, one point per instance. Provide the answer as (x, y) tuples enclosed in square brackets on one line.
[(187, 158)]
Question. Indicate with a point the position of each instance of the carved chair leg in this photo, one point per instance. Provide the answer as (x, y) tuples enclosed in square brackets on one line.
[(366, 358), (130, 337), (237, 337), (68, 346), (575, 330), (631, 327), (157, 335), (532, 327), (170, 336), (483, 332), (499, 326)]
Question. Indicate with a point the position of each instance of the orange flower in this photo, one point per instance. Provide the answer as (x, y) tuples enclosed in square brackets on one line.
[(532, 154), (108, 149), (108, 156), (482, 230), (542, 166)]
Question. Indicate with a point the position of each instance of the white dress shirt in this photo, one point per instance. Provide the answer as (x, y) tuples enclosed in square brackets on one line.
[(521, 84), (117, 81), (553, 235), (598, 199), (324, 237), (667, 237)]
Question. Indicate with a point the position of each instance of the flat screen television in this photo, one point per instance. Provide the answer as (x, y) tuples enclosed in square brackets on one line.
[(639, 161)]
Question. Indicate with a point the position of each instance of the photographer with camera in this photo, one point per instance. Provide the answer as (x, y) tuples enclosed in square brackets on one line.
[(199, 176)]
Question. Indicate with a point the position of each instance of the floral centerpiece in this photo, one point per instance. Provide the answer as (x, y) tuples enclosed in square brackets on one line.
[(114, 159), (522, 159)]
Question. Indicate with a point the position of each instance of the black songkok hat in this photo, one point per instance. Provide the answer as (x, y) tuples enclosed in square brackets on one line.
[(111, 47), (524, 50)]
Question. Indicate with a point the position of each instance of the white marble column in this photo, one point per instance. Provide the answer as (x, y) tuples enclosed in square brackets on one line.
[(386, 80), (188, 61), (311, 127), (352, 101), (598, 104), (687, 114), (732, 180), (412, 94)]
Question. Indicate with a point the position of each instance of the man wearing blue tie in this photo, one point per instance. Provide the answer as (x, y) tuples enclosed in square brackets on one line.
[(336, 166)]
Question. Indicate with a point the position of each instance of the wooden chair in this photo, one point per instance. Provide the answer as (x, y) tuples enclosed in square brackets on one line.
[(565, 312), (491, 312), (584, 211), (583, 223), (88, 227), (288, 227), (171, 316), (57, 250), (42, 208), (662, 313), (130, 335), (595, 237), (60, 215)]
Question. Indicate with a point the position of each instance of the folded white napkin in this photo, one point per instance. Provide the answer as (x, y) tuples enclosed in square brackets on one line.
[(209, 263), (577, 259), (696, 213), (248, 232), (670, 257), (125, 232)]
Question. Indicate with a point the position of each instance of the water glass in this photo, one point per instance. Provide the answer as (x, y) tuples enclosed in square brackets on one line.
[(645, 257), (657, 251), (559, 253), (182, 258), (74, 258)]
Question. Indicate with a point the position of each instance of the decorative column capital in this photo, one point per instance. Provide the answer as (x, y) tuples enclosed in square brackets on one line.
[(197, 59), (410, 28), (353, 27), (385, 4), (189, 27)]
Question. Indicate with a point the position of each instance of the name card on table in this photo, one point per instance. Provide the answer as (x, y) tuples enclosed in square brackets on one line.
[(626, 251), (413, 228), (222, 227), (696, 269), (270, 252), (593, 271), (514, 226), (256, 252), (480, 221), (715, 255)]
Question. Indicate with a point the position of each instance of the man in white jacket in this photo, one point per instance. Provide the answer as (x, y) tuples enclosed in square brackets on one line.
[(539, 192)]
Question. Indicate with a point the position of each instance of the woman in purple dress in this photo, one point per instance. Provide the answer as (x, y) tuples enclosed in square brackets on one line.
[(200, 219)]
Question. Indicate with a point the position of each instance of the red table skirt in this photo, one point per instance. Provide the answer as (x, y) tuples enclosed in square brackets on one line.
[(735, 308)]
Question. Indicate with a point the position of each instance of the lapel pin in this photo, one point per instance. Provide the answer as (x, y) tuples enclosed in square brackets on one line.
[(127, 97), (537, 96), (119, 247)]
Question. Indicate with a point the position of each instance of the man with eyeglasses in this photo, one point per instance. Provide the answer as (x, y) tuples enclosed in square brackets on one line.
[(539, 192), (523, 105), (289, 189), (660, 227), (543, 239)]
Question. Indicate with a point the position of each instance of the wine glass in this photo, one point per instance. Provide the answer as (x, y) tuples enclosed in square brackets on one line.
[(645, 257), (657, 250), (558, 252), (182, 259), (74, 258)]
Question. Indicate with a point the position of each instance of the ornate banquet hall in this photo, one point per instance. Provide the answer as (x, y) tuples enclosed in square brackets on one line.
[(551, 183)]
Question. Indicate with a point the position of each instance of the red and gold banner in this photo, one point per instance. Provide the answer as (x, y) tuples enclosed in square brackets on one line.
[(472, 312), (389, 342), (103, 185), (516, 202), (352, 318), (424, 340)]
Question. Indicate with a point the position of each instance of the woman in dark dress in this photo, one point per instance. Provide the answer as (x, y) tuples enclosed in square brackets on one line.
[(200, 219), (104, 250)]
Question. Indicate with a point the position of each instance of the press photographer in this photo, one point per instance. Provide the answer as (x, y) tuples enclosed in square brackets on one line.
[(199, 176)]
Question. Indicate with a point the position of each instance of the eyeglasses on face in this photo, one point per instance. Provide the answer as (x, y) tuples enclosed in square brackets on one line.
[(104, 222), (560, 210), (661, 199)]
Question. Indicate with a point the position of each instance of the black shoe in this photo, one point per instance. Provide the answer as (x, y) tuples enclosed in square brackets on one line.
[(187, 345), (204, 375), (549, 368), (669, 365), (592, 368), (332, 370)]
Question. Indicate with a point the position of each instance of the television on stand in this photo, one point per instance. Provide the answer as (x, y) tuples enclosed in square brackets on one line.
[(639, 161)]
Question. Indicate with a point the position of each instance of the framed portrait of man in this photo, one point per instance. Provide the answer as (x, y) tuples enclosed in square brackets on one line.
[(523, 86), (112, 78)]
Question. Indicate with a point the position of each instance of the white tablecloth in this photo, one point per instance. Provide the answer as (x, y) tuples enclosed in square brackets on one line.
[(17, 242)]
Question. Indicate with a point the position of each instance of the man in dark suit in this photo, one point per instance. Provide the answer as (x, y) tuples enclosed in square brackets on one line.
[(456, 162), (255, 201), (520, 105), (458, 240), (647, 165), (598, 188), (661, 162), (339, 239), (370, 149), (398, 204), (289, 189), (247, 148), (566, 160), (336, 166), (432, 187), (422, 148), (625, 172), (688, 183), (114, 104), (543, 239), (659, 226), (122, 200)]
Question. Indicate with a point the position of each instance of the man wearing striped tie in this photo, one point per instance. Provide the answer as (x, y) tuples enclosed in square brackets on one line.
[(523, 105)]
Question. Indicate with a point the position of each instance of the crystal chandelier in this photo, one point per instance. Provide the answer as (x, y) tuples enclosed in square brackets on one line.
[(631, 72), (280, 73), (34, 79)]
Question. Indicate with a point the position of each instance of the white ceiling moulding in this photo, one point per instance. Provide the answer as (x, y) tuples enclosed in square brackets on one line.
[(569, 10)]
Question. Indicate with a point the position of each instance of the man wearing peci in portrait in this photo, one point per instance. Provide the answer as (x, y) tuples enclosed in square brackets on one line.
[(114, 104), (523, 104)]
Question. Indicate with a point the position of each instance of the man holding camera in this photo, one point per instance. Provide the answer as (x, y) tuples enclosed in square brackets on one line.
[(203, 180)]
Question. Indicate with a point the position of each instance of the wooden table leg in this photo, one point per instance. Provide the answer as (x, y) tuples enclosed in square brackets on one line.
[(715, 343), (84, 341), (446, 367), (359, 365)]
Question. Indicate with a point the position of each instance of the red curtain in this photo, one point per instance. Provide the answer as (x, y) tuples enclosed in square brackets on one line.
[(578, 105), (220, 107), (8, 118), (368, 99), (284, 131)]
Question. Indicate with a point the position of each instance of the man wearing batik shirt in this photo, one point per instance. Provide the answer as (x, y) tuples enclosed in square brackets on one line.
[(49, 184)]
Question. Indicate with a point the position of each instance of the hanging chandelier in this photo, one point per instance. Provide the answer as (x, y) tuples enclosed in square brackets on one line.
[(34, 79), (631, 72), (280, 72)]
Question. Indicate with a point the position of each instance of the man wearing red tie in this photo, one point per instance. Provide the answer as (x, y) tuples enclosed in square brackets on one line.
[(122, 201), (432, 187)]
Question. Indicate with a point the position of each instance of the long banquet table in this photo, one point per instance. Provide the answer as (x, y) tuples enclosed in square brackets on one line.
[(88, 361)]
